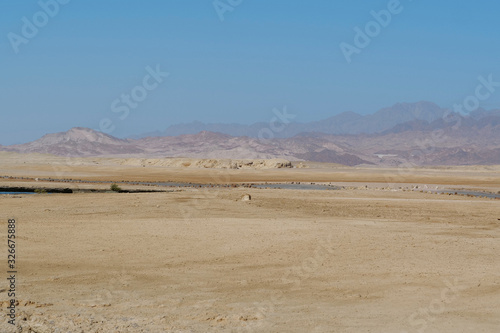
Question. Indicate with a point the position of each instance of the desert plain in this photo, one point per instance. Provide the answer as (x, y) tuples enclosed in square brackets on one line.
[(379, 253)]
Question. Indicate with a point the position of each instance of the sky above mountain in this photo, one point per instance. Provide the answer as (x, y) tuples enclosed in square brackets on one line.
[(131, 67)]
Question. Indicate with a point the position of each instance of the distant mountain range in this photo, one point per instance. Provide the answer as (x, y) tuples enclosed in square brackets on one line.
[(402, 135), (344, 123)]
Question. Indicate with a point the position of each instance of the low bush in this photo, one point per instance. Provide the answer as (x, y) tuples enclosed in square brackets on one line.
[(115, 187)]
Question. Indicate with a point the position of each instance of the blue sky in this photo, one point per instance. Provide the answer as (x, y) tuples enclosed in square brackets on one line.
[(265, 54)]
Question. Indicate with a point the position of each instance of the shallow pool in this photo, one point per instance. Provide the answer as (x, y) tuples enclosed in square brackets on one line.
[(16, 192)]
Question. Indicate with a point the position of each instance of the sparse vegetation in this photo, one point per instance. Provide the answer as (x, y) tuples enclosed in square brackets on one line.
[(115, 188), (40, 191)]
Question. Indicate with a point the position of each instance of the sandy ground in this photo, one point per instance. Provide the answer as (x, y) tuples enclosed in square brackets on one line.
[(111, 169), (202, 260)]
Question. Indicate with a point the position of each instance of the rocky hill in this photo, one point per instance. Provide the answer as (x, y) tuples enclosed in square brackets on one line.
[(435, 138)]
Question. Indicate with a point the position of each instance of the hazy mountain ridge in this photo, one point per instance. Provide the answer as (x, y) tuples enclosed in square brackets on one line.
[(344, 123), (430, 140)]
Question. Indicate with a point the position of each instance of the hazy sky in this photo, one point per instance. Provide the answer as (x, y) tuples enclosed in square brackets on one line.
[(76, 65)]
